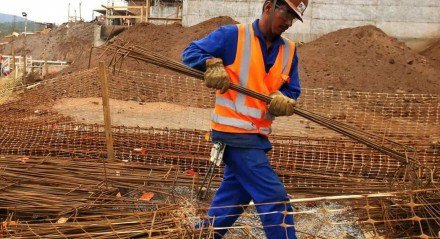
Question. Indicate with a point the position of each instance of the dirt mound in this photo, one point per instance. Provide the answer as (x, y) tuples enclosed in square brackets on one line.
[(167, 40), (170, 40), (68, 42), (433, 52), (72, 42), (366, 59), (355, 59)]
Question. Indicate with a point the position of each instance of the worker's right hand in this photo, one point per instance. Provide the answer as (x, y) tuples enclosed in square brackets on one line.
[(216, 76)]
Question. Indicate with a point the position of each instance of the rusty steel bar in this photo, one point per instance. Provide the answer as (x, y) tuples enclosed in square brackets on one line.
[(149, 56)]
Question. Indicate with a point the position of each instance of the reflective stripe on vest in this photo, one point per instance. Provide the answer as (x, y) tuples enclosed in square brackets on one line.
[(244, 76), (286, 54), (239, 106), (243, 124)]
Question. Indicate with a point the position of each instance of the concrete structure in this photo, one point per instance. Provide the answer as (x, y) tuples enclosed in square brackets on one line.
[(165, 11), (415, 22)]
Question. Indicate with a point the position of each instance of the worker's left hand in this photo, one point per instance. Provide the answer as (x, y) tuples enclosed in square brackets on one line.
[(281, 105), (216, 76)]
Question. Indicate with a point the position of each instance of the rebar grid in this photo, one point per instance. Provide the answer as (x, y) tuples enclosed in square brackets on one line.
[(402, 214), (173, 133), (174, 127), (152, 146)]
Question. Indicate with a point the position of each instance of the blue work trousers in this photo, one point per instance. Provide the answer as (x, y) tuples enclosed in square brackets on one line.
[(249, 176)]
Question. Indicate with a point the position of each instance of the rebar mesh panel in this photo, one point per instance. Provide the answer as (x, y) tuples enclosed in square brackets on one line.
[(164, 120)]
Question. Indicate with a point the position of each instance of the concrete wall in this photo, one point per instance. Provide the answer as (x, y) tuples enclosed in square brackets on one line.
[(164, 11), (159, 10), (416, 22), (196, 11)]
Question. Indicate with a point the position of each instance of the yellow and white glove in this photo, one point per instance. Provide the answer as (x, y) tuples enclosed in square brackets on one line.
[(281, 105), (216, 76)]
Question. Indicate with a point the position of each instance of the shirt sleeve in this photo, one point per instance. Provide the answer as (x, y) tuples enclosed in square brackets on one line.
[(293, 88), (213, 45)]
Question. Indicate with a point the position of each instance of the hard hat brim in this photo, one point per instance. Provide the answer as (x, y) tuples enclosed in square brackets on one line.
[(296, 10)]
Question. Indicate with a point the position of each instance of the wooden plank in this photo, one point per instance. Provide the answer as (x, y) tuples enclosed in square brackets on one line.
[(45, 70), (122, 7), (13, 55), (165, 18), (123, 16), (24, 73), (147, 11), (106, 110)]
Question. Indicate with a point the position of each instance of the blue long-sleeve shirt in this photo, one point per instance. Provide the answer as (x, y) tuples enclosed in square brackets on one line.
[(222, 43)]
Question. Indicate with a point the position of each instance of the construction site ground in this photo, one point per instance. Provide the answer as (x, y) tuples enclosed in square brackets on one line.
[(358, 76)]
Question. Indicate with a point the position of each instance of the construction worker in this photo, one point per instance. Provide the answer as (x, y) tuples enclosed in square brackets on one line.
[(254, 56)]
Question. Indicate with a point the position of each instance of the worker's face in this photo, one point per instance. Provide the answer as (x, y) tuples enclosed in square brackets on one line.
[(283, 19)]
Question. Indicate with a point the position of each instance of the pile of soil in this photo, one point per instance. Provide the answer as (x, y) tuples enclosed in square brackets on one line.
[(366, 59), (433, 52), (69, 42), (172, 39), (353, 59), (167, 40)]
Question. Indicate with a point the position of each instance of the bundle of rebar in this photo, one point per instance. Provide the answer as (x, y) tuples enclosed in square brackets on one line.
[(381, 214), (43, 186), (110, 221), (371, 140)]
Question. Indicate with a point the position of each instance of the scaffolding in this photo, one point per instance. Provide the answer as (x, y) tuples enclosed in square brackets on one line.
[(140, 12)]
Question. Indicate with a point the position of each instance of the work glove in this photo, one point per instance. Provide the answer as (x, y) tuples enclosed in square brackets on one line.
[(281, 105), (216, 76)]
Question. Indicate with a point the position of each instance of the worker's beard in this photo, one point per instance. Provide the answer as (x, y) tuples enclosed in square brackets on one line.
[(277, 31)]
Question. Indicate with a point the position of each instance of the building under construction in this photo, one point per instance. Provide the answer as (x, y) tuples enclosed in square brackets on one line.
[(140, 11)]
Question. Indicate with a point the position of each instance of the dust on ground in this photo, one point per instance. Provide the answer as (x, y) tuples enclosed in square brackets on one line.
[(168, 115), (131, 113)]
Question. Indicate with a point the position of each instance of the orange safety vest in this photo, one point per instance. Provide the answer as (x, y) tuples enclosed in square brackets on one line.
[(237, 113)]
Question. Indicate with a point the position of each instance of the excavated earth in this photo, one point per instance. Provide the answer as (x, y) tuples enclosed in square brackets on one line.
[(353, 59), (69, 42), (366, 59), (433, 52)]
